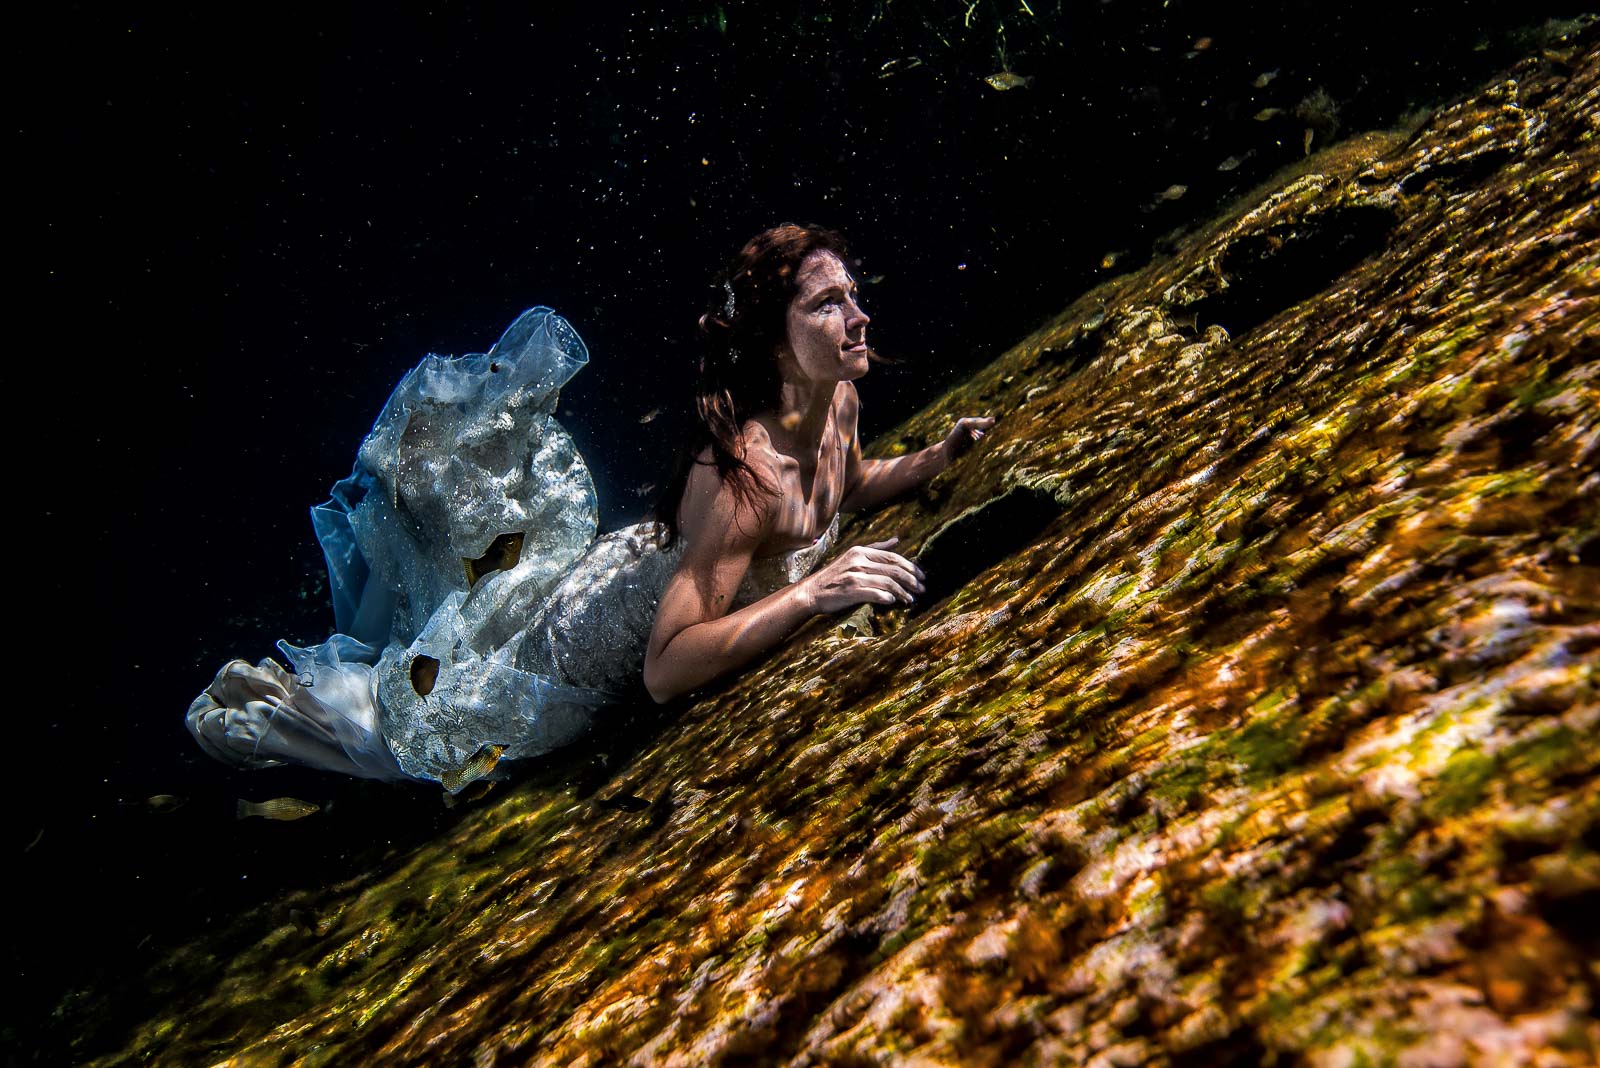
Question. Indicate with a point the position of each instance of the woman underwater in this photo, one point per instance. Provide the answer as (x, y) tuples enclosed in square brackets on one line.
[(462, 544)]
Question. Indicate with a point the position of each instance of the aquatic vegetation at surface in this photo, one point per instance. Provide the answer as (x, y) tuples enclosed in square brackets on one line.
[(1272, 734)]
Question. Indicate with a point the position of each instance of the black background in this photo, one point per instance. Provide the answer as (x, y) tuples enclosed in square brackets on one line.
[(240, 226)]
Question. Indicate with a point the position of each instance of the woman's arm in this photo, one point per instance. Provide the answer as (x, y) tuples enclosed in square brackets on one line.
[(877, 481), (698, 652), (695, 639), (869, 483)]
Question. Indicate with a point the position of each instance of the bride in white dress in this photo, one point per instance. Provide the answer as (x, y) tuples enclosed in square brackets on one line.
[(481, 619)]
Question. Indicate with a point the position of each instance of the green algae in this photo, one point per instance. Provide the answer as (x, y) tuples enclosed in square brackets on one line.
[(1462, 783), (1550, 754)]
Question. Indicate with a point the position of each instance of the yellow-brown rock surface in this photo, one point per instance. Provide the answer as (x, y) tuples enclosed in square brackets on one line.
[(1254, 715)]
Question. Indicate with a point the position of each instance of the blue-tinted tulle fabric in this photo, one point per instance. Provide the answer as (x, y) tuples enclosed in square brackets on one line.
[(465, 450)]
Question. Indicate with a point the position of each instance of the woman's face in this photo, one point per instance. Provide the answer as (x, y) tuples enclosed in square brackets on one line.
[(827, 330)]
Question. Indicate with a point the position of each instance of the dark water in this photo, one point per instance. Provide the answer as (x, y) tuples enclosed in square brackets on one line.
[(242, 234)]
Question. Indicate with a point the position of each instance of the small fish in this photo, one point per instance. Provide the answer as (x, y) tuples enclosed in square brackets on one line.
[(1232, 162), (1172, 192), (159, 803), (481, 764), (1306, 143), (1264, 79), (424, 674), (649, 417), (874, 280), (1202, 44), (1267, 113), (469, 793), (502, 555), (1109, 260), (1007, 80), (279, 808), (644, 489)]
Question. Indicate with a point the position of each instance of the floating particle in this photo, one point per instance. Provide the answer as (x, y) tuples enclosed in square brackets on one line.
[(899, 66), (624, 802)]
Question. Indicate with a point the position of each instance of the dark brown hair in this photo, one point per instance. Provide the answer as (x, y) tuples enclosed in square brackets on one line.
[(745, 322)]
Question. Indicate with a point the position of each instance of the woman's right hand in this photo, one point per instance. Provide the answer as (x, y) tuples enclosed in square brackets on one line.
[(865, 574)]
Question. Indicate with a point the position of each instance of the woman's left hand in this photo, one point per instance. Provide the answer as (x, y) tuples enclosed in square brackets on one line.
[(966, 433)]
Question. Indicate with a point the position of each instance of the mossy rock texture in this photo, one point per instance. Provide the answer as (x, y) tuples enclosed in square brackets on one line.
[(1253, 717)]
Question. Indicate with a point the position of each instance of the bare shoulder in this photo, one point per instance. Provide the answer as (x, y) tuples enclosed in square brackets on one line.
[(759, 450), (713, 513)]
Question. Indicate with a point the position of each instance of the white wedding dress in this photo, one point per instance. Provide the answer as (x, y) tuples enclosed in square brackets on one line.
[(475, 605)]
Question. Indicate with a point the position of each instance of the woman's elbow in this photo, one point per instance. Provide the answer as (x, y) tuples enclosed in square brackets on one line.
[(660, 689)]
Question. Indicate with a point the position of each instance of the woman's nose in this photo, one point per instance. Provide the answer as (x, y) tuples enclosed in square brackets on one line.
[(859, 314)]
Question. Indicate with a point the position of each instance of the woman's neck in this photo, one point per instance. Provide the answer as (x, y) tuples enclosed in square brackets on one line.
[(803, 409)]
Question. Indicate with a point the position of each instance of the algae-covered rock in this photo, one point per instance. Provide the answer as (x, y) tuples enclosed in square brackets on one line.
[(1255, 715)]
